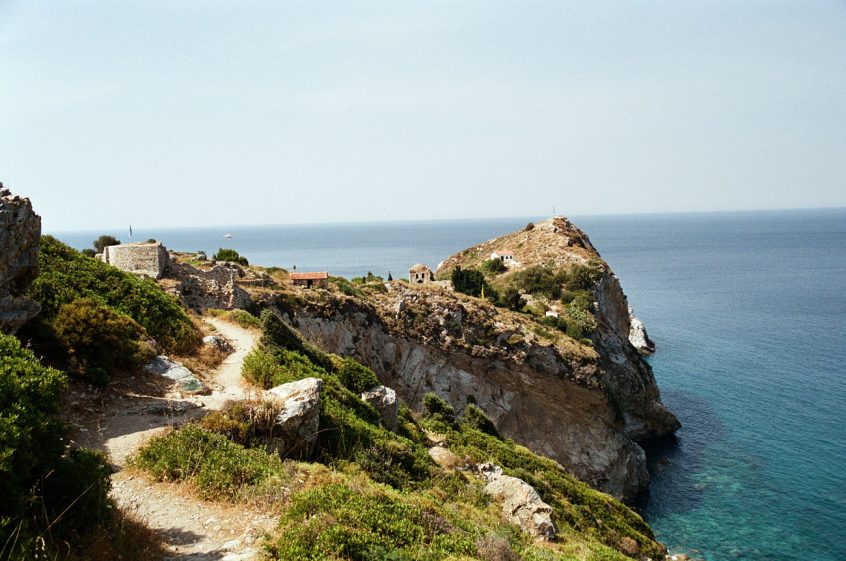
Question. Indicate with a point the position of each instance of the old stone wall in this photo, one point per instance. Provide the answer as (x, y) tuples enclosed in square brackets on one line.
[(141, 258), (20, 235), (214, 288)]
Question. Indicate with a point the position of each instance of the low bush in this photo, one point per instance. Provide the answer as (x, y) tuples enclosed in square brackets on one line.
[(493, 266), (76, 492), (355, 376), (584, 277), (475, 418), (99, 339), (437, 408), (362, 522), (539, 280), (468, 281), (262, 369), (216, 465), (30, 436), (230, 255), (243, 318), (51, 497)]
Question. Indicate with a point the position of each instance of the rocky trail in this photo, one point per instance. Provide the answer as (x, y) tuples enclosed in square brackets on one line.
[(190, 528)]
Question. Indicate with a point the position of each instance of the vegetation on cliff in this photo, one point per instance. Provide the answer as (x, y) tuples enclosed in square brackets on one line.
[(88, 307), (370, 493)]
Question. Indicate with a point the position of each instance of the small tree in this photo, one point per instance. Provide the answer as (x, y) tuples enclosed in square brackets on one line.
[(494, 266), (230, 255), (104, 241), (512, 299), (468, 282)]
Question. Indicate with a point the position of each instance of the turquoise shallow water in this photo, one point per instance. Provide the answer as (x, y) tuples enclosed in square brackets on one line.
[(749, 314)]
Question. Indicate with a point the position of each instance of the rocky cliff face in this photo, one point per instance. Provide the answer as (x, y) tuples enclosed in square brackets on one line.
[(584, 405), (20, 233)]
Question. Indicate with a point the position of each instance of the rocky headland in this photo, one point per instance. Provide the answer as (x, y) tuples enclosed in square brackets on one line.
[(585, 403)]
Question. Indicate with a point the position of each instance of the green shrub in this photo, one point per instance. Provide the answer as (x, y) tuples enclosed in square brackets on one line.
[(512, 299), (475, 418), (30, 437), (66, 275), (584, 277), (217, 466), (493, 266), (98, 339), (355, 376), (468, 281), (76, 493), (230, 255), (243, 318), (364, 523), (437, 408), (88, 252), (539, 280), (262, 368), (346, 287), (104, 241), (529, 227)]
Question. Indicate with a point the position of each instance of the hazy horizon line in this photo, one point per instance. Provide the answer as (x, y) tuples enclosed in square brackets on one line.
[(445, 220)]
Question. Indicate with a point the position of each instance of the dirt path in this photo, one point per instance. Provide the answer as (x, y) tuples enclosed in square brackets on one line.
[(191, 529)]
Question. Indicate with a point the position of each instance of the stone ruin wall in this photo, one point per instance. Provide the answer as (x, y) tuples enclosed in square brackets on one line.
[(214, 288), (143, 258)]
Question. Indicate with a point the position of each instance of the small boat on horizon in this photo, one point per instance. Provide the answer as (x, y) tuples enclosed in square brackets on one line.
[(227, 235)]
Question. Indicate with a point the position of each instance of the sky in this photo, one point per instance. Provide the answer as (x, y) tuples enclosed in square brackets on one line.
[(187, 113)]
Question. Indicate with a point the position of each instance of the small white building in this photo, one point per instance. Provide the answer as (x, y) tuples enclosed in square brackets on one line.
[(503, 255), (420, 274)]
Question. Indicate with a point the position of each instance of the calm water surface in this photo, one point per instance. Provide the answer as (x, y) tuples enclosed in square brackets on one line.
[(749, 314)]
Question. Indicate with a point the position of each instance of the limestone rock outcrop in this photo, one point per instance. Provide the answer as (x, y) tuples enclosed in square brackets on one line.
[(296, 410), (20, 235), (521, 504), (384, 400), (638, 336), (186, 380)]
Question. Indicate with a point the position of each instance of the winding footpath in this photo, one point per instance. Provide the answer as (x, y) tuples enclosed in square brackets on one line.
[(190, 528)]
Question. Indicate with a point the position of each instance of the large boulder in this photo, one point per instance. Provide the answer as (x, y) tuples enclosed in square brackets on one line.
[(384, 400), (20, 235), (638, 336), (296, 409), (521, 504)]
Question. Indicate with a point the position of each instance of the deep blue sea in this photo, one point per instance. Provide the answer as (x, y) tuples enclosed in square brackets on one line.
[(749, 314)]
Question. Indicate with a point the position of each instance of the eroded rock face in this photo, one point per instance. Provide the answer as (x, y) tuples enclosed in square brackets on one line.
[(296, 406), (384, 400), (521, 504), (553, 405), (20, 235)]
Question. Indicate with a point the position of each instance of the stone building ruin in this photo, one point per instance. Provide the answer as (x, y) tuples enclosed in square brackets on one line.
[(141, 258)]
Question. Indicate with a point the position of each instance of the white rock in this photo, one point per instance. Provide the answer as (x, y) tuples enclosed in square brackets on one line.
[(521, 504), (638, 336), (297, 407), (384, 399), (164, 366)]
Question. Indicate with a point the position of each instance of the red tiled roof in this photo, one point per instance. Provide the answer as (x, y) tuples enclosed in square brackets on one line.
[(504, 252), (309, 276)]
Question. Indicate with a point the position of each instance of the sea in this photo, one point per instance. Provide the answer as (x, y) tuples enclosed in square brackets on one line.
[(748, 311)]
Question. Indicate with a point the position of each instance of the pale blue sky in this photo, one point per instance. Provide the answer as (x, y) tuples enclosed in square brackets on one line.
[(178, 113)]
